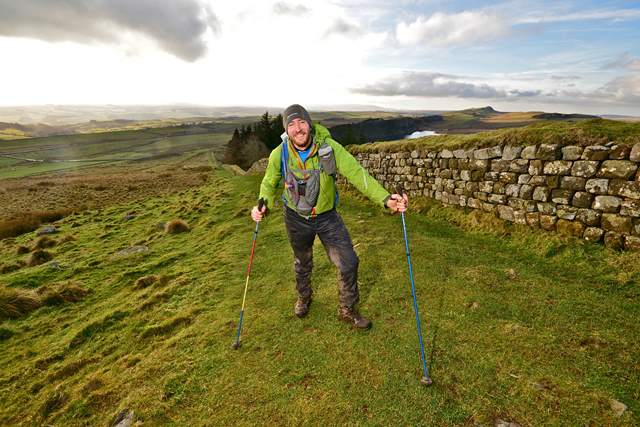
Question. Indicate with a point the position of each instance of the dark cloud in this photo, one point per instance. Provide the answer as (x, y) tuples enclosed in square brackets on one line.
[(343, 28), (282, 8), (177, 26), (428, 84)]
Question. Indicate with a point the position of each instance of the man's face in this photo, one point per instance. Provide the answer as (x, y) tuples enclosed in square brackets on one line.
[(298, 131)]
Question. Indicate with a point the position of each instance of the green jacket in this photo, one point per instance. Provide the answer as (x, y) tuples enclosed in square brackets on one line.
[(346, 165)]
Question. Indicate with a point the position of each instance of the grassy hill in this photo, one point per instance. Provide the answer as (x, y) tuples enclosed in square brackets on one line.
[(520, 327)]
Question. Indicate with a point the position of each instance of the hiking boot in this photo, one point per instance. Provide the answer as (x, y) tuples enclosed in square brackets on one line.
[(351, 315), (302, 306)]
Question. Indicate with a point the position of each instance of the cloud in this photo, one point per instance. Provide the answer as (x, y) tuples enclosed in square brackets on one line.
[(282, 8), (436, 85), (624, 88), (587, 15), (176, 26), (442, 29), (344, 28), (626, 61)]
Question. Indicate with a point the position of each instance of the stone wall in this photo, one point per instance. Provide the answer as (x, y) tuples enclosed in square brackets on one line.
[(590, 192)]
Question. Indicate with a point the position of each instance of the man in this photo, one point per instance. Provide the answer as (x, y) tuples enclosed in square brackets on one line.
[(308, 160)]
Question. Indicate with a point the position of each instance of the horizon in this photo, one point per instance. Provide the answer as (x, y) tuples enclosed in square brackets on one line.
[(574, 57)]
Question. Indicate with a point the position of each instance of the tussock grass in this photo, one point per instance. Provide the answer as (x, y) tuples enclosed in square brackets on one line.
[(151, 279), (176, 226), (61, 293), (44, 242), (583, 133), (30, 221), (39, 256), (15, 303), (21, 250)]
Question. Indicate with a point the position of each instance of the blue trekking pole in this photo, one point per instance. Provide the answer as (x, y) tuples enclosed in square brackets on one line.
[(426, 379), (236, 345)]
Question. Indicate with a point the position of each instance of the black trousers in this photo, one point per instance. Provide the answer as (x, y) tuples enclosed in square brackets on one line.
[(334, 236)]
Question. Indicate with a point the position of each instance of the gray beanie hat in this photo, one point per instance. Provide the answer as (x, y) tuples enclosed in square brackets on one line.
[(295, 111)]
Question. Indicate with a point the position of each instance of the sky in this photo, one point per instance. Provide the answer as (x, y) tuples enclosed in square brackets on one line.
[(556, 56)]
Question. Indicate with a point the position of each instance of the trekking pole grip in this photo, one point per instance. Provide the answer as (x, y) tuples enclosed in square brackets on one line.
[(260, 204), (400, 189)]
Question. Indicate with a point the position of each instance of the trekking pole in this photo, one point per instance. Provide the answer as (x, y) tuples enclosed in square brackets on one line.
[(426, 379), (236, 345)]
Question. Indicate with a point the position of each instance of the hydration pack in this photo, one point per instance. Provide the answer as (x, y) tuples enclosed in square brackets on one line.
[(303, 185)]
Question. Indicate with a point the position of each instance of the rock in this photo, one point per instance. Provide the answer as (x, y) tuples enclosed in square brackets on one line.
[(630, 208), (572, 183), (549, 152), (502, 423), (519, 166), (546, 208), (619, 152), (535, 167), (617, 223), (593, 234), (499, 199), (526, 192), (511, 153), (634, 155), (505, 212), (47, 229), (541, 194), (597, 186), (414, 154), (582, 199), (631, 243), (570, 228), (446, 154), (617, 407), (129, 216), (524, 179), (613, 240), (132, 250), (460, 154), (258, 167), (488, 153), (567, 212), (508, 178), (609, 204), (500, 165), (548, 222), (620, 169), (589, 217), (595, 152), (584, 168), (512, 190), (533, 218), (529, 152), (485, 186), (561, 197), (511, 273), (473, 305), (55, 265), (630, 189), (571, 152), (125, 418), (558, 167)]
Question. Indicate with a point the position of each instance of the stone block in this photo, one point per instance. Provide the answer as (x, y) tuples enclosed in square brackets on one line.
[(529, 152), (446, 154), (479, 165), (533, 219), (634, 155), (477, 176), (460, 154), (593, 234), (558, 167), (613, 240), (474, 203), (508, 178), (636, 227), (630, 208), (488, 153), (491, 176), (506, 213), (597, 186), (443, 163), (617, 223), (566, 212), (595, 152), (552, 181), (526, 192), (519, 217), (571, 152), (499, 199), (524, 179), (541, 194), (549, 152), (511, 153), (589, 217), (500, 165), (561, 197), (538, 180), (619, 152), (488, 207), (481, 196), (630, 189), (446, 174), (582, 199), (465, 175), (631, 243), (585, 168), (499, 187), (548, 222), (512, 190), (519, 166), (617, 169), (485, 186), (574, 183), (570, 228), (472, 187), (546, 208), (607, 204)]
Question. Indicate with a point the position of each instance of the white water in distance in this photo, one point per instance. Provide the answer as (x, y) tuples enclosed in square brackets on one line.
[(421, 133)]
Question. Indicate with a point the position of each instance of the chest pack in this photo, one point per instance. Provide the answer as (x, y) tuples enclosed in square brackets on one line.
[(303, 185)]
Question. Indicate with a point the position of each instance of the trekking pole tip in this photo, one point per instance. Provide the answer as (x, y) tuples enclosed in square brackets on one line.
[(236, 345), (426, 381)]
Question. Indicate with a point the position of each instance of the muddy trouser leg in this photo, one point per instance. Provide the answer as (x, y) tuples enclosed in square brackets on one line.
[(336, 241), (301, 234)]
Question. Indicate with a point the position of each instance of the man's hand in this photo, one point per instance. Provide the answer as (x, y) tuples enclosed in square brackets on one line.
[(398, 203), (257, 214)]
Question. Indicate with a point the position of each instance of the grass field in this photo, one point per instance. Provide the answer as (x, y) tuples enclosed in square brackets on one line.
[(520, 327)]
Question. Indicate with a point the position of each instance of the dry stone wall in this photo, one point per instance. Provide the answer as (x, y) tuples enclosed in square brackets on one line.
[(590, 192)]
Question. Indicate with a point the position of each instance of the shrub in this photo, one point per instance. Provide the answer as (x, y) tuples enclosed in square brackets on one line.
[(38, 257), (176, 226), (15, 303)]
